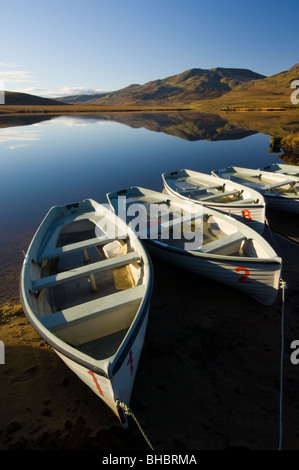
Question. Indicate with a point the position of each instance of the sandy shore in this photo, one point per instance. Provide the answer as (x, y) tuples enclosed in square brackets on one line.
[(208, 378)]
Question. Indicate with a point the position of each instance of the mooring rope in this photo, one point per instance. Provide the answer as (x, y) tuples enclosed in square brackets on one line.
[(276, 244), (128, 411), (270, 231), (283, 287)]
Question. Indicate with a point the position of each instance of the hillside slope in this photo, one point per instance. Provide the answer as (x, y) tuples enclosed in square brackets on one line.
[(273, 91), (24, 99), (183, 88)]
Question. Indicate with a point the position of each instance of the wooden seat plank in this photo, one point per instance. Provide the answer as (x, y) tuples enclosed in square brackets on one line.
[(67, 249), (87, 270), (218, 196), (223, 242), (283, 183), (96, 307)]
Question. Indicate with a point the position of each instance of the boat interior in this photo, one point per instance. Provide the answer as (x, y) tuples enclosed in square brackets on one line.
[(286, 169), (267, 181), (86, 291), (205, 192), (167, 225)]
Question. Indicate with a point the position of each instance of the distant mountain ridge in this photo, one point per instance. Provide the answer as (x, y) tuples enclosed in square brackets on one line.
[(186, 87), (14, 98), (206, 89)]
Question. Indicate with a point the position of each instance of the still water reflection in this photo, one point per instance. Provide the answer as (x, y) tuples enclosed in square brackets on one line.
[(68, 158)]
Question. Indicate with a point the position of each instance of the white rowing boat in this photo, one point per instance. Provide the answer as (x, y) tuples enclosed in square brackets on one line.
[(279, 190), (86, 285), (290, 170), (243, 203), (201, 240)]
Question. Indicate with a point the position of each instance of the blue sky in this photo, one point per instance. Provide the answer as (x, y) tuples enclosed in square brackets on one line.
[(70, 46)]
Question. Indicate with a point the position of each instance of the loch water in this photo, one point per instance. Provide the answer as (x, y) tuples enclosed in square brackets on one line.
[(47, 161)]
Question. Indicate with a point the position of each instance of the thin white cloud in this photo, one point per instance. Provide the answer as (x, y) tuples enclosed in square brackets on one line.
[(79, 90), (63, 91), (12, 78), (15, 76), (32, 91), (8, 64), (12, 75)]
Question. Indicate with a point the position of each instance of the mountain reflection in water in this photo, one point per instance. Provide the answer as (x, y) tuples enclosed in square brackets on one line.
[(187, 125)]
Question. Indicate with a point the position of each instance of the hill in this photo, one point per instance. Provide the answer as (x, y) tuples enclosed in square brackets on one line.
[(213, 90), (13, 98), (184, 88), (274, 91)]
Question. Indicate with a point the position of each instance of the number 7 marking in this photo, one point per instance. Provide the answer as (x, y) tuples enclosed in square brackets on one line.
[(130, 361)]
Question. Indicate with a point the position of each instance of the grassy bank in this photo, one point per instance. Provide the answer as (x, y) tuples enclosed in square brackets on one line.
[(81, 109), (206, 106)]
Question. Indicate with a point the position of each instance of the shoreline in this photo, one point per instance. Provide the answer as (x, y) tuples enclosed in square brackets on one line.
[(81, 109), (6, 110)]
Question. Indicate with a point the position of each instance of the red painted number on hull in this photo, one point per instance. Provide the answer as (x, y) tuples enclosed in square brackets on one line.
[(243, 279), (246, 214), (96, 382), (130, 361)]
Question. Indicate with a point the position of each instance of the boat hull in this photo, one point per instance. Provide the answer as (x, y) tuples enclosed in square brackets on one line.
[(283, 204), (258, 279), (119, 387)]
